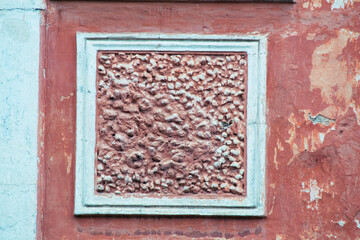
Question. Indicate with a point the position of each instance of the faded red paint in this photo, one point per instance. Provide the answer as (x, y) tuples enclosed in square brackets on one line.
[(313, 67)]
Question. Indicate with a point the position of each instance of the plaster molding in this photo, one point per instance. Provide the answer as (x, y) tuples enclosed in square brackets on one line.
[(87, 202)]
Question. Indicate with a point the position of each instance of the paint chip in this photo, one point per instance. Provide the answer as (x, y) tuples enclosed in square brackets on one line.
[(321, 119), (315, 194), (357, 223)]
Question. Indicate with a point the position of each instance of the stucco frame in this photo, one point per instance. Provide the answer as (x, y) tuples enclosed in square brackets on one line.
[(87, 202)]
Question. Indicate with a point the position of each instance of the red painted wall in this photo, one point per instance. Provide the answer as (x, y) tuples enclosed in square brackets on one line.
[(313, 185)]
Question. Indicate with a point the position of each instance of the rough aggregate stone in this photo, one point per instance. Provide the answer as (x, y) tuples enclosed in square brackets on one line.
[(166, 120)]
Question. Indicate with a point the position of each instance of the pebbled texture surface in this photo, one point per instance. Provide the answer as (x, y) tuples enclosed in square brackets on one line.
[(171, 123)]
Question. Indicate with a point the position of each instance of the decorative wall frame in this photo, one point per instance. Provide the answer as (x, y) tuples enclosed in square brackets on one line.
[(86, 199)]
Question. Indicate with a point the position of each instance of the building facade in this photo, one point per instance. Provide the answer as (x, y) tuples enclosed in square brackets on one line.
[(289, 168)]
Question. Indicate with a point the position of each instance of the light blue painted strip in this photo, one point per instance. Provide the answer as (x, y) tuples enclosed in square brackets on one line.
[(19, 83)]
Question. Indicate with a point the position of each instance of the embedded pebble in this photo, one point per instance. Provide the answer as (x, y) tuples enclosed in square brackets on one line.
[(235, 165), (232, 159), (121, 82), (235, 152), (100, 188), (174, 118), (100, 167), (171, 86), (236, 190), (238, 176), (214, 186)]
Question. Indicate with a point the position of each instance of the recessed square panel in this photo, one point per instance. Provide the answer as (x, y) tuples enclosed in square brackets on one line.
[(170, 125)]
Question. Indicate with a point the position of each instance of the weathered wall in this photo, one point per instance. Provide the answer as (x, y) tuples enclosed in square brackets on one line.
[(19, 67), (312, 162)]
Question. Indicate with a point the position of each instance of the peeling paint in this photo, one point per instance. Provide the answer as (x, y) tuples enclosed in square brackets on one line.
[(315, 194), (312, 4), (62, 98), (357, 78), (356, 111), (357, 223), (321, 119), (332, 236), (341, 222), (272, 205), (300, 140), (338, 4), (275, 159), (69, 159), (330, 74), (335, 4), (280, 237), (289, 34), (278, 148), (310, 36)]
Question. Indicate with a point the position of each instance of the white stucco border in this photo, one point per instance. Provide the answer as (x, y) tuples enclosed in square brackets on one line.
[(86, 202)]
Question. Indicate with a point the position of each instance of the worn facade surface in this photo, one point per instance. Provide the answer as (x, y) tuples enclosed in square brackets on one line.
[(313, 117)]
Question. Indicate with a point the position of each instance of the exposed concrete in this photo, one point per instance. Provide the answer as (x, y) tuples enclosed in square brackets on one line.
[(19, 67)]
